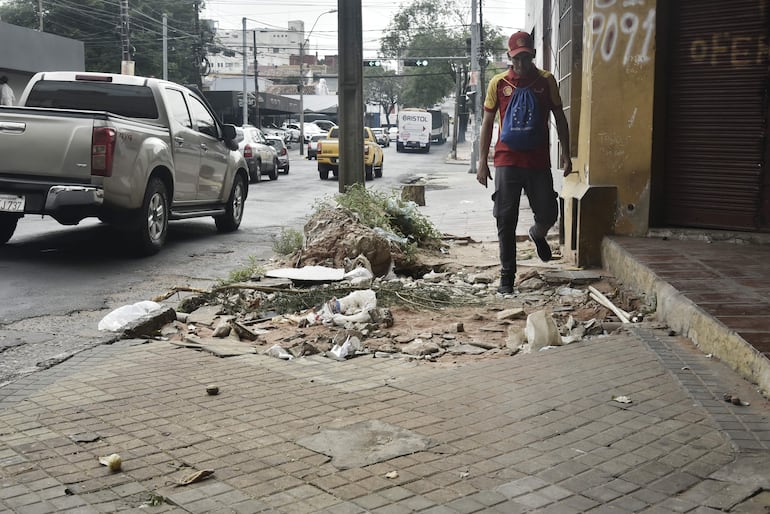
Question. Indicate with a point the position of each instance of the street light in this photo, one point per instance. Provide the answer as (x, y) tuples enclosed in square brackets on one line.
[(302, 82)]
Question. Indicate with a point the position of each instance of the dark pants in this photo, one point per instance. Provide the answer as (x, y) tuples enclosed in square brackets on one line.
[(509, 183)]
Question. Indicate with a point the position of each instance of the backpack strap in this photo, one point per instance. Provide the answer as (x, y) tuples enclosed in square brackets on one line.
[(529, 85)]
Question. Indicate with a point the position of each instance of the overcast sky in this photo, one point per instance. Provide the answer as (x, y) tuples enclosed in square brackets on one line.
[(376, 16)]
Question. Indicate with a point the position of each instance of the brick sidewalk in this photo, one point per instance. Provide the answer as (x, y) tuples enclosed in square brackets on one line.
[(536, 432)]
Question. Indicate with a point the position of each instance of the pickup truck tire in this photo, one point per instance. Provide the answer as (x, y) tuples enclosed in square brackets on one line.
[(378, 170), (274, 172), (8, 224), (368, 172), (150, 234), (323, 173), (231, 219), (256, 174)]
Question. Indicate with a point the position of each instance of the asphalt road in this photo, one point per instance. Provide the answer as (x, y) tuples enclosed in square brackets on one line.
[(58, 281)]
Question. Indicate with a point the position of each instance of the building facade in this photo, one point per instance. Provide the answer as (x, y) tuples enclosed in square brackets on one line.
[(668, 104)]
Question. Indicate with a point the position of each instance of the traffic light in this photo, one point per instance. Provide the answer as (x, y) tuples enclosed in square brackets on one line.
[(372, 63), (415, 62)]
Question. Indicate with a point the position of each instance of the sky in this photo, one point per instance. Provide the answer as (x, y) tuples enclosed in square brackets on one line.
[(376, 15)]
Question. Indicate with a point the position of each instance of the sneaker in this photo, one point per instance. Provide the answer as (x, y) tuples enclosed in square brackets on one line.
[(506, 284), (543, 250)]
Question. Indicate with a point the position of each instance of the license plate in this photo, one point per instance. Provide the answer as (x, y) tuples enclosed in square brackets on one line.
[(12, 203)]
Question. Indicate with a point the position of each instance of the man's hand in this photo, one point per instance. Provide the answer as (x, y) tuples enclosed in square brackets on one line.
[(566, 163), (482, 172)]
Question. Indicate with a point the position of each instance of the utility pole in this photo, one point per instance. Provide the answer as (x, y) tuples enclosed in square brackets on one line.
[(245, 100), (126, 64), (351, 94), (256, 81), (475, 72), (165, 46), (198, 46)]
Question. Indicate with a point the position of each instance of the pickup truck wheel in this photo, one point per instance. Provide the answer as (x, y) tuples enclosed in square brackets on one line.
[(8, 224), (231, 219), (255, 175), (151, 232), (378, 170), (368, 173), (323, 173)]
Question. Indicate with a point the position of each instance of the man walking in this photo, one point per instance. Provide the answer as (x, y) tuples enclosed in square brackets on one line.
[(517, 168), (6, 93)]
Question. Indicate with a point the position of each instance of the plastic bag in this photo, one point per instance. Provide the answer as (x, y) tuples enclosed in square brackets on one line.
[(122, 316)]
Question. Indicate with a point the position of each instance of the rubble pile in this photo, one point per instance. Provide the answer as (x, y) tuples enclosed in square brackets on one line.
[(341, 297), (439, 317)]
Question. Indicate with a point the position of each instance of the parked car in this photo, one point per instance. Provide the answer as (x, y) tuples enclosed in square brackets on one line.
[(292, 129), (381, 136), (325, 125), (276, 132), (283, 153), (261, 158), (311, 129), (393, 133), (121, 148), (312, 145)]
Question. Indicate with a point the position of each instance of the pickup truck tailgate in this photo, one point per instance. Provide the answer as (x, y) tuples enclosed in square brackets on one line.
[(48, 145)]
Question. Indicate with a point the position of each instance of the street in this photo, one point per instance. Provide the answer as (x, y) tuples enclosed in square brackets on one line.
[(59, 281)]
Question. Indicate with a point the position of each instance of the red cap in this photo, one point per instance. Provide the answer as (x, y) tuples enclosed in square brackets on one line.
[(520, 42)]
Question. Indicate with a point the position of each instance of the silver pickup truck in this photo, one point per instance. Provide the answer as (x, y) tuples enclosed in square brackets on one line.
[(135, 152)]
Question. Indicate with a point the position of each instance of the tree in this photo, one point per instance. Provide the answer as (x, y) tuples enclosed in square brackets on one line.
[(425, 29), (97, 24), (438, 31), (382, 87)]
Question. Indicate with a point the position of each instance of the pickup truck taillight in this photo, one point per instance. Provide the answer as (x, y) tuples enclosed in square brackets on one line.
[(247, 152), (102, 151), (318, 147)]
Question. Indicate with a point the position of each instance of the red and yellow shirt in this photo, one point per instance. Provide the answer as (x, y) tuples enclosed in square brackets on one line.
[(499, 94)]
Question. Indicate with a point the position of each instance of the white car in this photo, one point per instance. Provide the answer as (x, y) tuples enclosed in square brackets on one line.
[(311, 129), (393, 133), (292, 129), (261, 158), (381, 136)]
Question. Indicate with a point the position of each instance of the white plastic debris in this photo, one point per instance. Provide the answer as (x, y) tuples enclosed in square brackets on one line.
[(346, 349), (353, 308), (122, 316), (279, 352), (359, 277), (621, 399)]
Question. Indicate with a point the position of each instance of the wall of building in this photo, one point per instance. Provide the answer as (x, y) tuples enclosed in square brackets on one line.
[(26, 52), (610, 191)]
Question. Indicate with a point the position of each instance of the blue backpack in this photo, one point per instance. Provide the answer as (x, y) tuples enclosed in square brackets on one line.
[(522, 123)]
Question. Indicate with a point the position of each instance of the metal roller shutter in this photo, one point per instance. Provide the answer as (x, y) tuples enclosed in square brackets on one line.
[(717, 115)]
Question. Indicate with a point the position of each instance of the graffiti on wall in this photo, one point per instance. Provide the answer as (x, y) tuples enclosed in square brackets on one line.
[(726, 48), (622, 30)]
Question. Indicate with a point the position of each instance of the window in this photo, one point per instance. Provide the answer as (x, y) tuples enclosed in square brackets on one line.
[(204, 121), (178, 107), (569, 63), (125, 100)]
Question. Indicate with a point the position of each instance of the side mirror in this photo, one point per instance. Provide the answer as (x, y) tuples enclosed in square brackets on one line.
[(229, 134)]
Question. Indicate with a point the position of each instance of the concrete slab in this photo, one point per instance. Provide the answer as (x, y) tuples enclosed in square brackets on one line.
[(365, 443)]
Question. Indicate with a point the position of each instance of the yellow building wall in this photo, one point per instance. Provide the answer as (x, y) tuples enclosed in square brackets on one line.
[(614, 150)]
